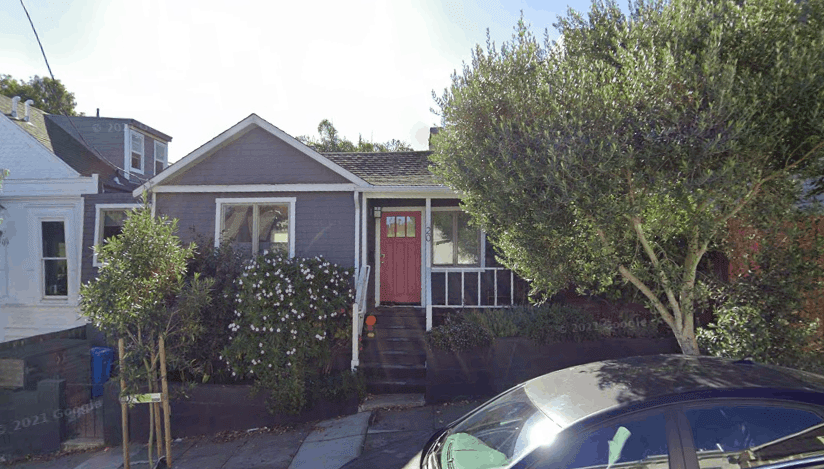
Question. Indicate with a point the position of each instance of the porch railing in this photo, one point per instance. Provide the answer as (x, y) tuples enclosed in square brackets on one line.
[(479, 271), (359, 312)]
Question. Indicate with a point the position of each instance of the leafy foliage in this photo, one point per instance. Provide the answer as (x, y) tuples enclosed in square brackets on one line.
[(330, 141), (620, 155), (761, 313), (291, 317), (457, 335), (224, 265), (142, 293), (48, 95)]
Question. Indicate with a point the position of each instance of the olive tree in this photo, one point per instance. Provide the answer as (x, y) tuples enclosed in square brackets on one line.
[(620, 154)]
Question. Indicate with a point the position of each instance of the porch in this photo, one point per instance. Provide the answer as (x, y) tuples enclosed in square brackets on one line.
[(419, 251)]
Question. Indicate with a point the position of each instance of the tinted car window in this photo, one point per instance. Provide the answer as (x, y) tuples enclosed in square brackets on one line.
[(636, 443), (752, 436)]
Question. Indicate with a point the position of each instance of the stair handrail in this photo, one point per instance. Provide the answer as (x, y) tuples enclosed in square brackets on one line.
[(359, 312)]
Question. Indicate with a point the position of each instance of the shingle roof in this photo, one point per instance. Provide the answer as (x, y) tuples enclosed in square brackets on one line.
[(408, 168), (61, 142)]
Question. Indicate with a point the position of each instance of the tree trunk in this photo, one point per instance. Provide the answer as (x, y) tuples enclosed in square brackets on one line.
[(686, 340)]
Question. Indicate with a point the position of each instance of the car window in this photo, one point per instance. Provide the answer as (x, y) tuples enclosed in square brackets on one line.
[(634, 443), (753, 436)]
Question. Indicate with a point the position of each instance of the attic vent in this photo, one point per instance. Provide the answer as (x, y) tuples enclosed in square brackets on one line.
[(28, 109), (14, 102)]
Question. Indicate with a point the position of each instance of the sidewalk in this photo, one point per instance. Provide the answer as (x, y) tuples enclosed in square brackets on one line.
[(376, 437)]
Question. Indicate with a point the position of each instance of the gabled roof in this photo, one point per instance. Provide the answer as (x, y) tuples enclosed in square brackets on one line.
[(62, 143), (409, 168), (232, 134)]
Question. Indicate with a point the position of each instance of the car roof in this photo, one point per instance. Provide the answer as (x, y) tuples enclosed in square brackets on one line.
[(572, 394)]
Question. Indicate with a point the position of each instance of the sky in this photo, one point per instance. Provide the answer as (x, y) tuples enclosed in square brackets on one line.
[(193, 69)]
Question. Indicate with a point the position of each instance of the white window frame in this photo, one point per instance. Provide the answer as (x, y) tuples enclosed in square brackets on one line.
[(98, 220), (165, 160), (220, 202), (43, 259), (142, 151)]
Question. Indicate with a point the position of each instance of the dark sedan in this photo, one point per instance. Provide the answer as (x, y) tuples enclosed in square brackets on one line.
[(666, 411)]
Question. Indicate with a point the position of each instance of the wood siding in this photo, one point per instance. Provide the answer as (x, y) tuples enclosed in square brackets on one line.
[(324, 222), (257, 157), (88, 270)]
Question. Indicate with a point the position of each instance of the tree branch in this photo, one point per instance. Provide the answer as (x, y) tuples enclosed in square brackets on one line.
[(662, 310), (665, 283)]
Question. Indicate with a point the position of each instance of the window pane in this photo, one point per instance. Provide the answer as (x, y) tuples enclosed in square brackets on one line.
[(442, 237), (136, 160), (54, 239), (751, 436), (390, 227), (273, 232), (237, 226), (56, 277), (410, 227), (641, 441), (400, 226), (112, 223), (469, 241), (158, 166)]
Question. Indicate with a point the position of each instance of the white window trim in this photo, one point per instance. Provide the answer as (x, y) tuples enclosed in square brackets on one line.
[(42, 259), (139, 170), (220, 202), (97, 220), (166, 153)]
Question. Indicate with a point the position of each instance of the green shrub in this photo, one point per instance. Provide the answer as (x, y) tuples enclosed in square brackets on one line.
[(547, 324), (291, 317), (499, 322), (458, 334), (780, 339)]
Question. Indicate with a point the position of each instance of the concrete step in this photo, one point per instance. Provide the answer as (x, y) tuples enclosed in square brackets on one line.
[(394, 372), (392, 320), (392, 401), (392, 357), (381, 333), (394, 386), (411, 344)]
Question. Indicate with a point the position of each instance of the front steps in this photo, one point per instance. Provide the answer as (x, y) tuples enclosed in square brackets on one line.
[(394, 361)]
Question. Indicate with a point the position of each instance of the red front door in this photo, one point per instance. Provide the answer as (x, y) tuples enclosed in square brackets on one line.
[(400, 257)]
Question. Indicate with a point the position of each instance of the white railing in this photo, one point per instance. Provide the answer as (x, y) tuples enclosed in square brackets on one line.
[(479, 271), (359, 312)]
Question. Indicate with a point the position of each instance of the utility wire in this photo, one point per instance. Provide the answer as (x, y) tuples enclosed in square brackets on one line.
[(63, 111)]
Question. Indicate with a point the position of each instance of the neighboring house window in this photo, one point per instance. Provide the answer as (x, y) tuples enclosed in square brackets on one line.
[(161, 156), (454, 241), (55, 263), (256, 225), (137, 152), (109, 223)]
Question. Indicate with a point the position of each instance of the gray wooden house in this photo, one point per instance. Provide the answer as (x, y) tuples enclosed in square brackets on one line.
[(385, 214)]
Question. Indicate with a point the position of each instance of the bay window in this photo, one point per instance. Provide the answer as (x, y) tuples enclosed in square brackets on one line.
[(55, 262)]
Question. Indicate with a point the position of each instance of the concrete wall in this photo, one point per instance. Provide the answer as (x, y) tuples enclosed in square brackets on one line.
[(324, 221), (257, 157), (27, 419)]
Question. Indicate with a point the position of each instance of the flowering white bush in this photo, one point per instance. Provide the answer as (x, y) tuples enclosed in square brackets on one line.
[(291, 316)]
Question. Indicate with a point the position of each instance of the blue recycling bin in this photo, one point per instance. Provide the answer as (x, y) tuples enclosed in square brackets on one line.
[(102, 358)]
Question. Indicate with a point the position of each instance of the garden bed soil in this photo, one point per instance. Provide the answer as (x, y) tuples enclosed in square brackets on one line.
[(209, 409), (485, 372)]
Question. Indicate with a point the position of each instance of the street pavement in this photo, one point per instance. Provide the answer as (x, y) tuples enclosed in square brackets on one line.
[(387, 432)]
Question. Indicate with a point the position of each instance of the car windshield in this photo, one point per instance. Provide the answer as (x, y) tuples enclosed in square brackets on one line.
[(497, 435)]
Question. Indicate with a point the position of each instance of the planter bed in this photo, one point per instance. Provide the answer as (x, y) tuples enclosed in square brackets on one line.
[(211, 408), (485, 372)]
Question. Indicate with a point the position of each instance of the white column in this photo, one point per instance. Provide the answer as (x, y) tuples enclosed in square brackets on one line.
[(357, 234), (428, 263), (355, 336)]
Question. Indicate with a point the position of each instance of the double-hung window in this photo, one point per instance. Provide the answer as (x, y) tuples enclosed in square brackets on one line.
[(257, 225), (109, 223), (54, 261), (454, 241), (161, 156), (137, 151)]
